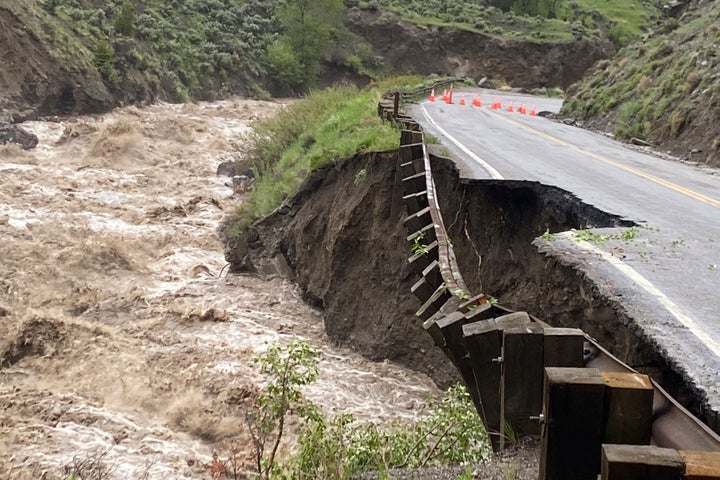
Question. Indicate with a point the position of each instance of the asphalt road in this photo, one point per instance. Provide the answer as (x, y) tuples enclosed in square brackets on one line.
[(668, 274)]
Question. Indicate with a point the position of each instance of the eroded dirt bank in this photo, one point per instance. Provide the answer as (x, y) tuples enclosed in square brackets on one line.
[(350, 258), (121, 344)]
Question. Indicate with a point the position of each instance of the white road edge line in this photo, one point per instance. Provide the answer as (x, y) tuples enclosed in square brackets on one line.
[(493, 173), (624, 268), (645, 284)]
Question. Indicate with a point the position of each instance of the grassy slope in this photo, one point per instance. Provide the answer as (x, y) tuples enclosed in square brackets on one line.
[(327, 125), (664, 89), (621, 20)]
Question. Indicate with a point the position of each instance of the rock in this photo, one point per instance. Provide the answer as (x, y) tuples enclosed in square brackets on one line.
[(226, 168), (15, 134), (241, 183), (638, 141)]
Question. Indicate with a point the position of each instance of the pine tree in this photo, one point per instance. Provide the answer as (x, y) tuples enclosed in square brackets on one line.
[(124, 21)]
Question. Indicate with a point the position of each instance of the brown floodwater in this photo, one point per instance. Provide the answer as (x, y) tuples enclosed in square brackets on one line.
[(123, 340)]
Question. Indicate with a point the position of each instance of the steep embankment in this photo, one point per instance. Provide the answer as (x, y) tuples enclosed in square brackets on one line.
[(664, 89), (35, 79), (410, 48), (350, 258)]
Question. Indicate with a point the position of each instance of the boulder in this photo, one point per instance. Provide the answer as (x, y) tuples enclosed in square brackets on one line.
[(15, 134)]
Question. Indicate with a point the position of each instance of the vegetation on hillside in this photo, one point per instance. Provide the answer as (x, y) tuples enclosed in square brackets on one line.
[(620, 20), (326, 125), (199, 49), (664, 89), (204, 49)]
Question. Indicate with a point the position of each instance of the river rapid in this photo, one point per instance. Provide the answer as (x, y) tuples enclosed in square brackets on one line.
[(123, 342)]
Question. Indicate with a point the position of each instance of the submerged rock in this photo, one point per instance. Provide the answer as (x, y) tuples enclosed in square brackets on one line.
[(15, 134)]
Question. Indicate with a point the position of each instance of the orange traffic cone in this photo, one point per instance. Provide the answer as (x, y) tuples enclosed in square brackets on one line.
[(510, 107), (532, 110), (462, 100), (449, 97), (522, 109), (476, 101), (431, 97)]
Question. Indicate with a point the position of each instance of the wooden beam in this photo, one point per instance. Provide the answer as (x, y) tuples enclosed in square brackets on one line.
[(563, 347), (522, 379), (701, 465), (628, 408), (572, 429), (451, 327), (483, 341), (640, 462)]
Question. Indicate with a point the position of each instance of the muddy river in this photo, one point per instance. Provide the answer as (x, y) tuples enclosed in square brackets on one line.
[(123, 342)]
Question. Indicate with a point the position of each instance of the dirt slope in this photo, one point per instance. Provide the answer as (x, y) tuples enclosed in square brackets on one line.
[(349, 259), (33, 81)]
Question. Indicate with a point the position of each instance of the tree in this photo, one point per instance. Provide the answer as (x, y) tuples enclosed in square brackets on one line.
[(124, 21), (309, 27)]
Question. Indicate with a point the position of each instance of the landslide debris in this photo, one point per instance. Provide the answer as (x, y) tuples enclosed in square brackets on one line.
[(664, 89)]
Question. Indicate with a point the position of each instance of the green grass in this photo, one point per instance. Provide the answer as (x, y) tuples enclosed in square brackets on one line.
[(327, 125), (628, 20), (623, 21)]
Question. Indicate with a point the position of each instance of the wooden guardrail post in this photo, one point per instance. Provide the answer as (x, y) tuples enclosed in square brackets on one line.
[(563, 347), (522, 375), (640, 462), (451, 327), (572, 430), (628, 408), (484, 344)]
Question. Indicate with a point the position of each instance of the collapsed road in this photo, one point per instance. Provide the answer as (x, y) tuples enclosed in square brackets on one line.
[(660, 269)]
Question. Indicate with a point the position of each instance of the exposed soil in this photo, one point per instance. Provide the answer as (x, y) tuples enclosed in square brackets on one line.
[(124, 345), (350, 259), (34, 83)]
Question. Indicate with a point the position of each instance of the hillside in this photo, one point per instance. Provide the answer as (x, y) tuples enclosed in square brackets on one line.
[(85, 56), (664, 89)]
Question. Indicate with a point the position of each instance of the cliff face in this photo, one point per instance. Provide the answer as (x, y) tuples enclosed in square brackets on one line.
[(54, 74), (425, 50), (32, 80)]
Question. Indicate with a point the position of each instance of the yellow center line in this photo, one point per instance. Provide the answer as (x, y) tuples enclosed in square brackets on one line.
[(660, 181)]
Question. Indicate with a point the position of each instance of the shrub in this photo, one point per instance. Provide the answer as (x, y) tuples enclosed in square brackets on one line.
[(124, 21), (104, 60)]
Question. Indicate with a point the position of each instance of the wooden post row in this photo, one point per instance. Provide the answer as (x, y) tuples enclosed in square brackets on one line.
[(507, 355)]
